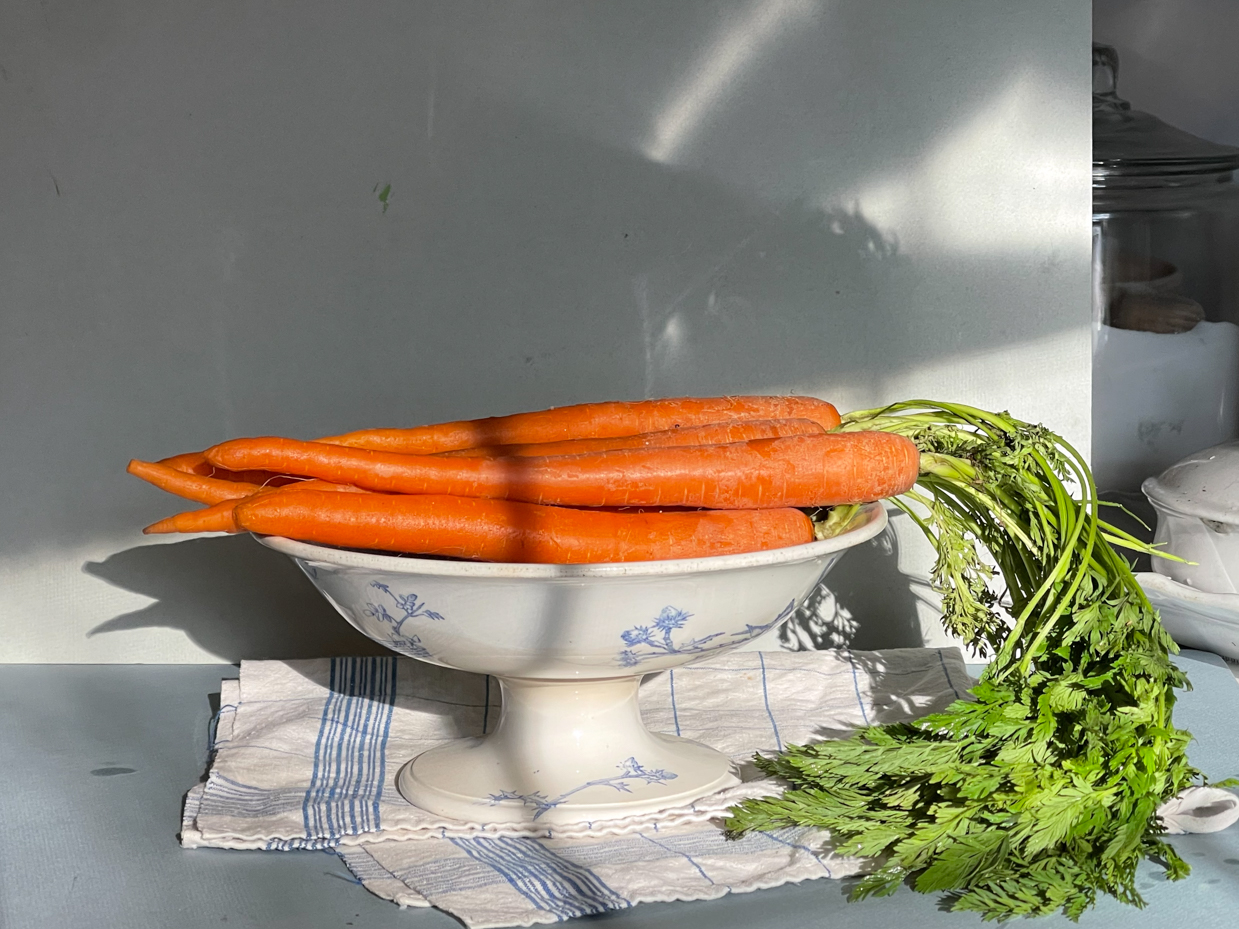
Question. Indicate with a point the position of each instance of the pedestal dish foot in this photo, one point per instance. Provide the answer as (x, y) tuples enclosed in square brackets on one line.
[(564, 752)]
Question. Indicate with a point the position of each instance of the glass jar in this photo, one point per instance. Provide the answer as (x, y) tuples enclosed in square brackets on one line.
[(1165, 289)]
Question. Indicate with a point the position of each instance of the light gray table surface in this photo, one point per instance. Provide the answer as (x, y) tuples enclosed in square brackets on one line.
[(95, 759)]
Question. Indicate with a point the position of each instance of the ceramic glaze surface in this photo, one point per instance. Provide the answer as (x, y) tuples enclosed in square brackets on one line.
[(1195, 618), (1205, 484), (1210, 551), (569, 645), (631, 773)]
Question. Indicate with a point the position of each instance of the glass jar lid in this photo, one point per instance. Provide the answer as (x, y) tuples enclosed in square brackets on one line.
[(1130, 143)]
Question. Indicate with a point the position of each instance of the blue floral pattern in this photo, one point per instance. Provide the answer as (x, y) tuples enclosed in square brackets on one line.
[(411, 608), (631, 771), (657, 639)]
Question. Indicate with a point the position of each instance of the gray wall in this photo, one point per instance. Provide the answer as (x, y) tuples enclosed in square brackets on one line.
[(866, 200)]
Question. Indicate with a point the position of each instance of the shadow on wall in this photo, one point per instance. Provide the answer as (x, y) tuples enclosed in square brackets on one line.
[(232, 597), (865, 602), (563, 270)]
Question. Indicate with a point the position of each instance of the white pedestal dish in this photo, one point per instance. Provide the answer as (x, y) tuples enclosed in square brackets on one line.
[(569, 645)]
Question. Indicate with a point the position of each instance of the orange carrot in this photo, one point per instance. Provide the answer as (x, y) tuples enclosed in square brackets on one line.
[(215, 518), (810, 470), (196, 463), (588, 421), (220, 518), (189, 485), (190, 463), (708, 434), (507, 531)]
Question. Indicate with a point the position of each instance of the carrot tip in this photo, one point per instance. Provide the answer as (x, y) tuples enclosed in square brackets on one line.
[(163, 525)]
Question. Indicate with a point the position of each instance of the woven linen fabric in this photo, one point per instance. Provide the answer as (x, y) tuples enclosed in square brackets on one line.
[(305, 754)]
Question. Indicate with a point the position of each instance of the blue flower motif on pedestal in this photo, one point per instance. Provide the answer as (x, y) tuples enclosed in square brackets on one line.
[(410, 608), (658, 639), (631, 771)]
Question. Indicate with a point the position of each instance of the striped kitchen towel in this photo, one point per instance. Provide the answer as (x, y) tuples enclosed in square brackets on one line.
[(305, 754)]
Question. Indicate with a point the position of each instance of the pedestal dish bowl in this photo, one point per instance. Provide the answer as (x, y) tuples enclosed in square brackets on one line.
[(569, 645)]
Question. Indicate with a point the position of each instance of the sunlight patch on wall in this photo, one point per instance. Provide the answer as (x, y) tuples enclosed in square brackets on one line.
[(1001, 182), (1036, 380), (738, 50), (52, 604)]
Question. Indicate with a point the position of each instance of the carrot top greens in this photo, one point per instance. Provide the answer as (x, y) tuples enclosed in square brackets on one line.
[(1042, 790)]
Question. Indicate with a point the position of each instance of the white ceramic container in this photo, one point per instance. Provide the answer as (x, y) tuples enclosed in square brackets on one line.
[(569, 645), (1195, 618), (1197, 503)]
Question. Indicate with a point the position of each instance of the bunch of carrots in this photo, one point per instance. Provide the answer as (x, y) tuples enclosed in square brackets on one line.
[(594, 482)]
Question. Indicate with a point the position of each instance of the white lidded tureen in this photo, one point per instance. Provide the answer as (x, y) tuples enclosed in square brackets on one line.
[(1197, 504)]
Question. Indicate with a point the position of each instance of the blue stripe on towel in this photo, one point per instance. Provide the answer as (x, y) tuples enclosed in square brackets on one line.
[(337, 809), (797, 833), (349, 769), (326, 793), (308, 810), (227, 797), (765, 695), (364, 865), (551, 883), (684, 855), (856, 686), (389, 711)]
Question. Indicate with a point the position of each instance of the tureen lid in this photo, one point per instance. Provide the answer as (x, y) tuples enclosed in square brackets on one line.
[(1205, 485)]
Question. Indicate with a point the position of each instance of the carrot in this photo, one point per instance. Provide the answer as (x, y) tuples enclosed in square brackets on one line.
[(196, 463), (215, 518), (219, 517), (708, 434), (812, 470), (507, 531), (588, 420), (190, 463), (189, 485)]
